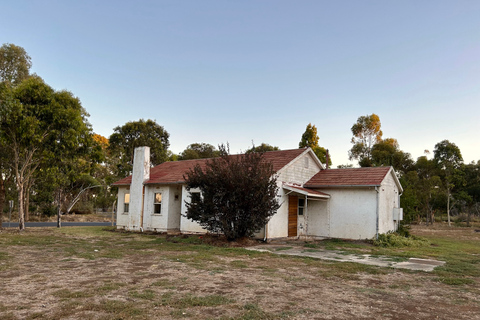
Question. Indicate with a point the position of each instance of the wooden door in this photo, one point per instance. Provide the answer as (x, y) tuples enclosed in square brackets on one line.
[(292, 215)]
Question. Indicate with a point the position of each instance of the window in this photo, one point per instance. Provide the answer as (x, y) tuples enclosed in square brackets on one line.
[(157, 203), (126, 202), (195, 197), (301, 206)]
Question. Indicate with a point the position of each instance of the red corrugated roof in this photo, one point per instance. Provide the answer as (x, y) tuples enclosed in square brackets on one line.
[(372, 176), (173, 171)]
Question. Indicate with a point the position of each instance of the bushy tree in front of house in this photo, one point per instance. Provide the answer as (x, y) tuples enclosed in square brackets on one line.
[(238, 194)]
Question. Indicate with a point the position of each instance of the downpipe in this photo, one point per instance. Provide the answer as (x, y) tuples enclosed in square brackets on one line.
[(377, 213)]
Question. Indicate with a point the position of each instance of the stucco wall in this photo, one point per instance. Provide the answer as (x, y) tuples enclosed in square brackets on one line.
[(317, 218), (352, 213), (187, 225), (122, 217), (388, 200), (277, 227), (169, 217)]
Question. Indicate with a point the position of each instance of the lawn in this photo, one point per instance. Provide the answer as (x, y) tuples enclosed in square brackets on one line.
[(100, 273)]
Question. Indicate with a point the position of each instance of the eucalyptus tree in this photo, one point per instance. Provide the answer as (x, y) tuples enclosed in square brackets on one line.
[(387, 153), (39, 126), (366, 133), (15, 64), (449, 160)]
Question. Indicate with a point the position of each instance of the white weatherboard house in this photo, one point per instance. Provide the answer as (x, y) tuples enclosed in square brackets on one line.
[(353, 203)]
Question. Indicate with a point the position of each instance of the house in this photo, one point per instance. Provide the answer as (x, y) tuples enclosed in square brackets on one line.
[(354, 203)]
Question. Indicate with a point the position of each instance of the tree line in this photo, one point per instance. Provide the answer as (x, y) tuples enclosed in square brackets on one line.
[(51, 161), (433, 187)]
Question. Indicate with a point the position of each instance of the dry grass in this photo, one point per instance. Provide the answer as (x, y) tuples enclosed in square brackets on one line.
[(95, 273)]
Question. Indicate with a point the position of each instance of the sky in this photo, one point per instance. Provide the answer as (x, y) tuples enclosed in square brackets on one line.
[(243, 72)]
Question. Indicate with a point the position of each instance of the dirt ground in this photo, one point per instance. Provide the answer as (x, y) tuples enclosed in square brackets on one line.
[(56, 281)]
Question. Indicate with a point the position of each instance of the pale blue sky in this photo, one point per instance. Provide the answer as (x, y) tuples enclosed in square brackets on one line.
[(236, 71)]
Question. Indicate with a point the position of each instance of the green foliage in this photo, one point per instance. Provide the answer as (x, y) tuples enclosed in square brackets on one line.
[(393, 239), (15, 64), (238, 194), (199, 151), (387, 153), (366, 132), (310, 140), (264, 147), (309, 137), (135, 134), (447, 155), (46, 132)]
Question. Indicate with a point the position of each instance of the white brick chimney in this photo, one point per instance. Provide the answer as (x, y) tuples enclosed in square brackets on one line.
[(140, 174)]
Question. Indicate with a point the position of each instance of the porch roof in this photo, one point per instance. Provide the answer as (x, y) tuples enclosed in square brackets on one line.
[(307, 192)]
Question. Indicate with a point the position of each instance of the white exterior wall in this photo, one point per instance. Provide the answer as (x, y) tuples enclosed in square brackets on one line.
[(169, 217), (122, 217), (187, 225), (317, 218), (277, 227), (352, 213), (388, 199)]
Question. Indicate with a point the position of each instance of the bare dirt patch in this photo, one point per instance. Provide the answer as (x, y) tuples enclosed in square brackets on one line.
[(49, 274)]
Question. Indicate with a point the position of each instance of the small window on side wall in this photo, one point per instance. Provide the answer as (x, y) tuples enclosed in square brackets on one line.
[(157, 203), (126, 202)]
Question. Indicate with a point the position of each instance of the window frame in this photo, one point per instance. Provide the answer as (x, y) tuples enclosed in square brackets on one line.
[(157, 204), (126, 202), (301, 208)]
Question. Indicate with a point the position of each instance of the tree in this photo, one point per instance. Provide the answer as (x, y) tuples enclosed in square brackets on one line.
[(387, 153), (310, 139), (238, 194), (366, 133), (449, 160), (472, 186), (15, 64), (6, 176), (135, 134), (39, 125), (199, 151), (427, 187), (264, 147)]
